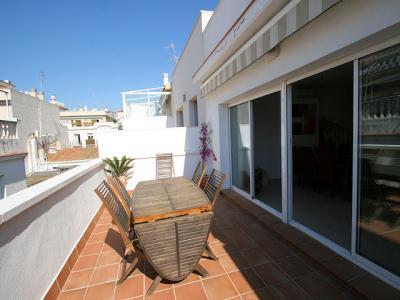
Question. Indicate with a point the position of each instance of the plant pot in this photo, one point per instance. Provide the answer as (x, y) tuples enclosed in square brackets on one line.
[(203, 181), (123, 180)]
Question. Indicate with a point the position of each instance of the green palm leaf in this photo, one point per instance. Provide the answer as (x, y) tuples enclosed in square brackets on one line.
[(118, 166)]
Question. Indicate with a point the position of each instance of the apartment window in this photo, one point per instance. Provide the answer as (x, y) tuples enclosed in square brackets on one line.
[(193, 113), (179, 117)]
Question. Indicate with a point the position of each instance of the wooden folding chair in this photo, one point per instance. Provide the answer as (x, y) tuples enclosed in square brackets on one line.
[(164, 165), (120, 191), (213, 186), (213, 190), (199, 173), (123, 222)]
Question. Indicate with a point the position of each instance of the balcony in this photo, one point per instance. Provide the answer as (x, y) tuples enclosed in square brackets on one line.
[(8, 130), (57, 241)]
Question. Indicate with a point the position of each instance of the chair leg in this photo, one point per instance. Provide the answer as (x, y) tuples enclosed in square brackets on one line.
[(125, 272), (210, 252), (154, 285), (203, 272)]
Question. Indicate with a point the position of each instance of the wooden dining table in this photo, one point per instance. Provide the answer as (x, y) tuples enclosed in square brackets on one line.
[(172, 220)]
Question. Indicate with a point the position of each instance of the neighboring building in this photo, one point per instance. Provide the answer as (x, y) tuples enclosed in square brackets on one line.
[(148, 108), (83, 125), (12, 173), (29, 124), (303, 98), (72, 157)]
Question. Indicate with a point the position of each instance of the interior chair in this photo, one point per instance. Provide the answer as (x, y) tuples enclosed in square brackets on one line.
[(164, 165)]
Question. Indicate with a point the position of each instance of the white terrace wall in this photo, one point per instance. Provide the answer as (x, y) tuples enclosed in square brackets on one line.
[(143, 145), (41, 225)]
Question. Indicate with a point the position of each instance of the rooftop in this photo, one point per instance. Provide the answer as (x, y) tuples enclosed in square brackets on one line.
[(257, 260), (74, 154)]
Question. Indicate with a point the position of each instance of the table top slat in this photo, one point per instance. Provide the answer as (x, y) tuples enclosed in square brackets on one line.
[(165, 198)]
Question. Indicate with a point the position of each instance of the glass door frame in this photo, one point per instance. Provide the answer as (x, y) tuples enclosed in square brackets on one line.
[(251, 196)]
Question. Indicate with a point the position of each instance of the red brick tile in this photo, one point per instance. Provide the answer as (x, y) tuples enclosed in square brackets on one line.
[(103, 291), (72, 295), (246, 280), (62, 277), (219, 287), (270, 273), (232, 262), (261, 294), (254, 257), (72, 258), (163, 285), (162, 295), (101, 228), (374, 288), (53, 292), (213, 267), (193, 290), (293, 266), (97, 237), (78, 279), (289, 290), (317, 286), (85, 262), (131, 287), (104, 274), (343, 268), (91, 249), (108, 258), (218, 248), (191, 278)]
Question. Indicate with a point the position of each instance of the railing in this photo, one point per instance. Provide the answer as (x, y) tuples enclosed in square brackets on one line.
[(8, 130), (40, 227)]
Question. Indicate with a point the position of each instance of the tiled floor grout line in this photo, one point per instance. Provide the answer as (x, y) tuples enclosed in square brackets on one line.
[(226, 273), (87, 288), (204, 289)]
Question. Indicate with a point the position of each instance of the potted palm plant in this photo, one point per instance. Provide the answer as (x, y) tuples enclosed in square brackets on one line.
[(119, 167)]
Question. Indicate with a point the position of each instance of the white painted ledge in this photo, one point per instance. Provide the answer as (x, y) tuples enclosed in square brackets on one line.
[(18, 202)]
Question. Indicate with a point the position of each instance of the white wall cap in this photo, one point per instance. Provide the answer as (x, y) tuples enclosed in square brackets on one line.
[(18, 202)]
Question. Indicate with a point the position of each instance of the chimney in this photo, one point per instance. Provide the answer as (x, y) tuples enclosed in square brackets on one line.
[(40, 96), (33, 92), (166, 80)]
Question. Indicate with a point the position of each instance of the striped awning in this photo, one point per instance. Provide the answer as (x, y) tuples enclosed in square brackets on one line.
[(294, 17)]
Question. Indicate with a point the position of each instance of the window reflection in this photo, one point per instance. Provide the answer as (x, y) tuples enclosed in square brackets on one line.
[(379, 180)]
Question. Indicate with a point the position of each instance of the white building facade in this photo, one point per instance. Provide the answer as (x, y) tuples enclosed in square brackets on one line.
[(83, 125), (304, 102)]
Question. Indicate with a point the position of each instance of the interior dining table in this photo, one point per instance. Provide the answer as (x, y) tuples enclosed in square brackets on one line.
[(172, 220)]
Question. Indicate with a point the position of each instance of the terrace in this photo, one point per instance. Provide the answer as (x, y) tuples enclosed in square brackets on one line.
[(59, 231)]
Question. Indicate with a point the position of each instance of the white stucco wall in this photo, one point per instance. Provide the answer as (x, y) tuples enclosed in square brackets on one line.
[(344, 30), (143, 145), (182, 83), (12, 175), (41, 225)]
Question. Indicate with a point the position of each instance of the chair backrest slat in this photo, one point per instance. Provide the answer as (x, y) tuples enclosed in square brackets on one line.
[(213, 186), (199, 173), (120, 191), (164, 165), (117, 212)]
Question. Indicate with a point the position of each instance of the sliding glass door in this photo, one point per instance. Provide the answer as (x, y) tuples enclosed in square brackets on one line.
[(241, 146), (378, 223)]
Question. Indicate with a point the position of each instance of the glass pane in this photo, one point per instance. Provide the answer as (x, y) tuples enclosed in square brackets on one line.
[(322, 136), (267, 150), (379, 167), (240, 146)]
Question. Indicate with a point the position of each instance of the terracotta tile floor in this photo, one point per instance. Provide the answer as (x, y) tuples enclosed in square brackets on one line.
[(254, 263)]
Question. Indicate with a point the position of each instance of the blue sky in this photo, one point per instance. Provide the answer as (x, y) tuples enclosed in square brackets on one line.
[(91, 50)]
